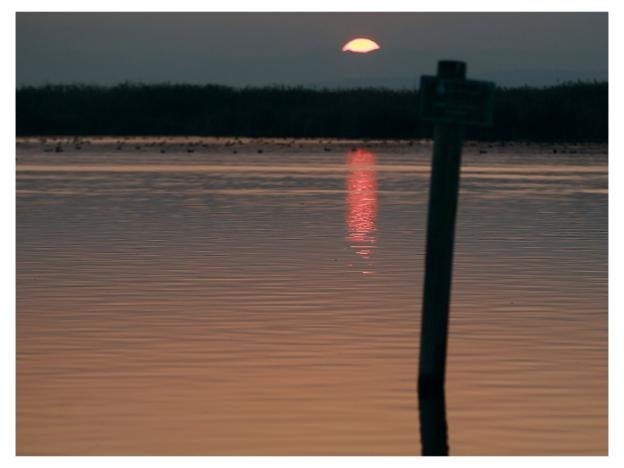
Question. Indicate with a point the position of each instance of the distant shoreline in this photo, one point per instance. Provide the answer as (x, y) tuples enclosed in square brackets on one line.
[(571, 112)]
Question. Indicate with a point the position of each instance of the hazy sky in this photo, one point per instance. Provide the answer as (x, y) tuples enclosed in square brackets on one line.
[(304, 48)]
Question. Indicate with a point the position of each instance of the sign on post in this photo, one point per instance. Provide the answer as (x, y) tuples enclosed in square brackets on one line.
[(451, 102), (467, 102)]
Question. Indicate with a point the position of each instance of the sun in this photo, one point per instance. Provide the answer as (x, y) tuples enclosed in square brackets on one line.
[(360, 45)]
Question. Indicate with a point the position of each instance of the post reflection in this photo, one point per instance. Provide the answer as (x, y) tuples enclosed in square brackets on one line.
[(361, 202), (433, 425)]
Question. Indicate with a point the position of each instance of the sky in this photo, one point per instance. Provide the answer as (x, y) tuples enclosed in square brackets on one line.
[(242, 49)]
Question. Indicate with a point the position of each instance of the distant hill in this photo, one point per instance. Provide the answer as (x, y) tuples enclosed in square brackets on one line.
[(542, 77), (510, 78)]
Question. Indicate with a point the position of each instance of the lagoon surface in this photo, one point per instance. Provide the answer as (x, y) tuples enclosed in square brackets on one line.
[(214, 300)]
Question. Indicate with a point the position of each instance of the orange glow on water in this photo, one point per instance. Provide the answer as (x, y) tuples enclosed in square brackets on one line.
[(360, 45), (361, 200)]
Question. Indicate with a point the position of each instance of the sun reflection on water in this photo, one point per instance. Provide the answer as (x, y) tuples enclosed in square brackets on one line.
[(361, 202)]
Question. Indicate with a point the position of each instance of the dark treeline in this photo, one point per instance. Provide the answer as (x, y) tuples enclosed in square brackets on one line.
[(573, 112)]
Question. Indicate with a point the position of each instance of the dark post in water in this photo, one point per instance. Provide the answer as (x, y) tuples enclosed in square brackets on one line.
[(450, 101)]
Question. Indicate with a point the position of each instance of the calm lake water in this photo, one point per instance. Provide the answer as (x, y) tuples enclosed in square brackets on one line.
[(213, 303)]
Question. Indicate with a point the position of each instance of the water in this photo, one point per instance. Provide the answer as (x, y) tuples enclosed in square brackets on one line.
[(215, 303)]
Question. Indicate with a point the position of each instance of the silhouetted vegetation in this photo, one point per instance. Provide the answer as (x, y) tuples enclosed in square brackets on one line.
[(568, 112)]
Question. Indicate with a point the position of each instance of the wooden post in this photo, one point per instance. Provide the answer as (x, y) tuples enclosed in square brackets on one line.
[(451, 101), (448, 139)]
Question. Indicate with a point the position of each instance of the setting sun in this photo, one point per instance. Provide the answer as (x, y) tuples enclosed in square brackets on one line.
[(360, 45)]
